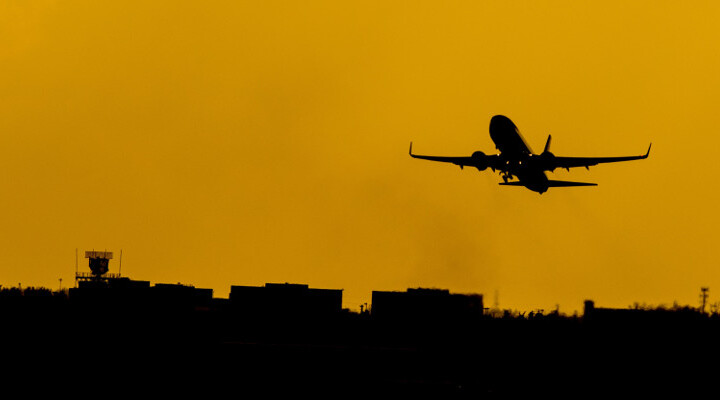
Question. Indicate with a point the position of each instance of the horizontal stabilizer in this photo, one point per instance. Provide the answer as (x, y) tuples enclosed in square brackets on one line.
[(552, 183), (568, 183)]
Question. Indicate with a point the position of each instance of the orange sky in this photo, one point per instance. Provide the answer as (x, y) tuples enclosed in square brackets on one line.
[(223, 143)]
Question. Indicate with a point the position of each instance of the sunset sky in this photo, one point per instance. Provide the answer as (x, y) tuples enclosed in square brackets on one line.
[(223, 143)]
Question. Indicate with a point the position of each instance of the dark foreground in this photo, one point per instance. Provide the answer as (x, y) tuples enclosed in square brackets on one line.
[(213, 353)]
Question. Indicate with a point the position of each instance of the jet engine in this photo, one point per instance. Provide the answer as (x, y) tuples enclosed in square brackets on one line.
[(480, 160)]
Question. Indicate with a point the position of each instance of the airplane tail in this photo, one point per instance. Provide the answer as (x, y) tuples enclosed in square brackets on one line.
[(547, 144)]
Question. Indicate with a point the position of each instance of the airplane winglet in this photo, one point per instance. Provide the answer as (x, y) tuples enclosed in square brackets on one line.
[(410, 152), (648, 152)]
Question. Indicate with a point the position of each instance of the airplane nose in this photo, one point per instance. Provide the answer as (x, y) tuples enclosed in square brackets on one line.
[(501, 123)]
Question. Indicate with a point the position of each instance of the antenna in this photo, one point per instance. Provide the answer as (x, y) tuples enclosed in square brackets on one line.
[(703, 298), (76, 266), (120, 263), (99, 262)]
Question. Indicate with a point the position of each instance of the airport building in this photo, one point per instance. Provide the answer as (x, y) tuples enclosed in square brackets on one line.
[(285, 299), (426, 304), (99, 289)]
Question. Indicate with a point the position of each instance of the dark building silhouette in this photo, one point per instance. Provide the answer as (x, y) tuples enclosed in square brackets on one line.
[(285, 300), (139, 296), (183, 296), (102, 291), (426, 304), (645, 317)]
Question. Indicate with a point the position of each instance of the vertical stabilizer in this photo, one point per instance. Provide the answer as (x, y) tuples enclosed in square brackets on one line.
[(547, 144)]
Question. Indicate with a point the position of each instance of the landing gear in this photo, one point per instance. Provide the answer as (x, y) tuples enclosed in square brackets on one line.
[(506, 176)]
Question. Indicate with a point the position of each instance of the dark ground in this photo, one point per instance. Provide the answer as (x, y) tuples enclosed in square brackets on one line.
[(213, 353)]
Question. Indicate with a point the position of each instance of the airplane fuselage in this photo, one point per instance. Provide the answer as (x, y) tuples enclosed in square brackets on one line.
[(515, 157), (507, 138)]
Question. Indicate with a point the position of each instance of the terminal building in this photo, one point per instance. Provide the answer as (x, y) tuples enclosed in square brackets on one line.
[(426, 305), (285, 300)]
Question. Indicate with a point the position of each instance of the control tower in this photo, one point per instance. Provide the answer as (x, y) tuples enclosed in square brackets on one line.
[(99, 263)]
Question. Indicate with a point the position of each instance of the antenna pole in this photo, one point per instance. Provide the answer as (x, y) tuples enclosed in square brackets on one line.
[(120, 263), (703, 298), (76, 266)]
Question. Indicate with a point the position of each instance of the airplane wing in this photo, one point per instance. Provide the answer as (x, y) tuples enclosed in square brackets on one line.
[(461, 161), (572, 162)]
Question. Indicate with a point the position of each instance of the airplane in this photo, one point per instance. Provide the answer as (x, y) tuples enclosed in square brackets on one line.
[(516, 160)]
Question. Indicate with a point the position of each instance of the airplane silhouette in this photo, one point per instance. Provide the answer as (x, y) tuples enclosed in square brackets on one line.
[(517, 160)]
